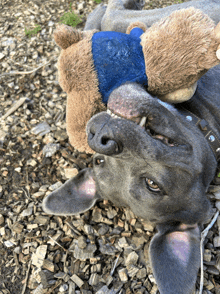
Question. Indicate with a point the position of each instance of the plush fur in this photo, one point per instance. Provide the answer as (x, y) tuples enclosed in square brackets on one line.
[(177, 51), (171, 40), (84, 99)]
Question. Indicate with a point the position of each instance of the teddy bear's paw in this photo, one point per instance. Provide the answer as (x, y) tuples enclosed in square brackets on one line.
[(180, 95), (65, 36)]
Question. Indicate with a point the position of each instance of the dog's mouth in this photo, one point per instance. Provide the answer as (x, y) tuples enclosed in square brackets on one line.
[(142, 122)]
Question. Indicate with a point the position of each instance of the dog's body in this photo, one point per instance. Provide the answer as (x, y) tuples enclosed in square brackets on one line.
[(119, 14), (160, 168)]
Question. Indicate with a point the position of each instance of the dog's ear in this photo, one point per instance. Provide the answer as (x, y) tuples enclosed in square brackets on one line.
[(75, 196), (175, 258)]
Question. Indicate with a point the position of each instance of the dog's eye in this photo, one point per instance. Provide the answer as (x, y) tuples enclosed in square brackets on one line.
[(152, 186), (99, 161)]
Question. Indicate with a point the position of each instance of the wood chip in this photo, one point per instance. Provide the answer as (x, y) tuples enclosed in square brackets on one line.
[(39, 256), (15, 106), (77, 280)]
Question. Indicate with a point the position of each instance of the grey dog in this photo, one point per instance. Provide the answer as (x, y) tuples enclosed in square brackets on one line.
[(159, 159)]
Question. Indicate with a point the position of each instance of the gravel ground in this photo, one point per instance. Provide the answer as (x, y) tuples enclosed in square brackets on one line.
[(104, 250)]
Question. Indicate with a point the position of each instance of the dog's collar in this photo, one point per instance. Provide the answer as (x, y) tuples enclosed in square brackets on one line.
[(206, 130)]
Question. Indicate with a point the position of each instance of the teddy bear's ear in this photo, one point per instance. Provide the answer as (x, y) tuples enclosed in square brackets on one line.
[(217, 36), (65, 36)]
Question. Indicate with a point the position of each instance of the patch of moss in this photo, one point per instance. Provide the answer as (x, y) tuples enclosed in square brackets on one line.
[(70, 18), (34, 31)]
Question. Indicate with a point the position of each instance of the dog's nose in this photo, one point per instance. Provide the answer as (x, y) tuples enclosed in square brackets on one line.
[(101, 140)]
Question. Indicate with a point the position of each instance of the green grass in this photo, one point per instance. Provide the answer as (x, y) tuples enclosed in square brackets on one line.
[(34, 31), (98, 1), (70, 18)]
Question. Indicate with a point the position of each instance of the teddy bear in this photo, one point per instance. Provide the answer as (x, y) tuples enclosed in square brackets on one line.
[(167, 59)]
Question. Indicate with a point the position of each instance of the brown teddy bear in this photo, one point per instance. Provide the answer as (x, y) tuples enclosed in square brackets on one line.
[(167, 59)]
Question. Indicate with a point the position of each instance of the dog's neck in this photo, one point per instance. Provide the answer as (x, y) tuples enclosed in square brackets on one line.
[(206, 130)]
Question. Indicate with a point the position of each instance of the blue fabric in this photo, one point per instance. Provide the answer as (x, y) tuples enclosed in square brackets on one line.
[(118, 58), (136, 32)]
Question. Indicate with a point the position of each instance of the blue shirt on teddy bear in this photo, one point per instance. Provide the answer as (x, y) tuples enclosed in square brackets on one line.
[(118, 58)]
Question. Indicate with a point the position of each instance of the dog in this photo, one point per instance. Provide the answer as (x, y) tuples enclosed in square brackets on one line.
[(156, 158)]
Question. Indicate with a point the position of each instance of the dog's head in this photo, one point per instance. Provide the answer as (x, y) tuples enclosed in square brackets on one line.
[(153, 160)]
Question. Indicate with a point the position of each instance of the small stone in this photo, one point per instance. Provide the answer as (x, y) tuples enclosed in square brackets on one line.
[(50, 23), (132, 270), (63, 288), (217, 204), (32, 226), (217, 195), (107, 248), (77, 280), (43, 278), (94, 279), (152, 279), (50, 149), (132, 258), (35, 55), (216, 241), (47, 264), (210, 286), (207, 256), (31, 162), (61, 135), (60, 275), (123, 275), (9, 244), (41, 220), (122, 242), (104, 290), (1, 56), (117, 286), (17, 228), (39, 256), (103, 229), (82, 242), (2, 136), (41, 129), (55, 186), (111, 213), (44, 188), (142, 273), (70, 172), (138, 240), (86, 253), (1, 219), (148, 226), (81, 6), (212, 270), (39, 290), (97, 215), (38, 194), (17, 250), (154, 289)]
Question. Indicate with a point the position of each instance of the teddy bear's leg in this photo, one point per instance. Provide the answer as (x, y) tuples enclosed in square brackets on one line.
[(94, 18), (118, 18)]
